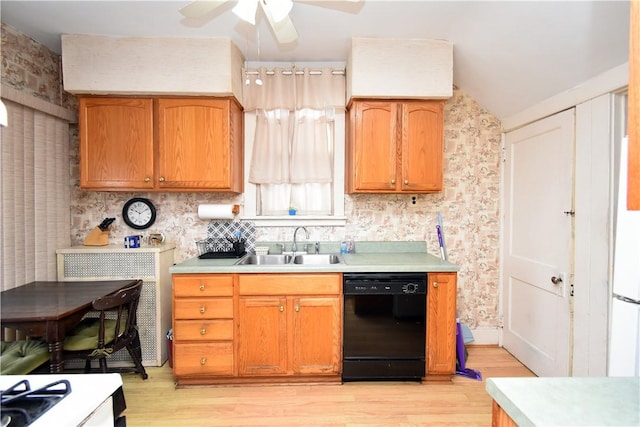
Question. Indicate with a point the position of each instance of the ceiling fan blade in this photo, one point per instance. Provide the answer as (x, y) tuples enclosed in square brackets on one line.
[(284, 30), (199, 8)]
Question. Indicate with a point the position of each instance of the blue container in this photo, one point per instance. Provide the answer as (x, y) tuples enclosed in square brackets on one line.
[(131, 242)]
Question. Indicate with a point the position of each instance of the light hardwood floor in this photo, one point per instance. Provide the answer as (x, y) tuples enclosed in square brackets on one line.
[(464, 402)]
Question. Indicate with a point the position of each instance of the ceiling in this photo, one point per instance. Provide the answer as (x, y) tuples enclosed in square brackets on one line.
[(508, 55)]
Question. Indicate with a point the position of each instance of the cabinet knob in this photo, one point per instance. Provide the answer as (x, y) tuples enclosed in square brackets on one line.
[(202, 286), (147, 179), (393, 181), (203, 360), (203, 331), (162, 179), (297, 308), (406, 181), (435, 284), (281, 308), (202, 309)]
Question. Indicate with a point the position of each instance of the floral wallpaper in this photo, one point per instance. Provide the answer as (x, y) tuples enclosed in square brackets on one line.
[(469, 204)]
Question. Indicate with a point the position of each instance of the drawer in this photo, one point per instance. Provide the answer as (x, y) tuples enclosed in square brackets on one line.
[(290, 284), (203, 308), (202, 285), (203, 359), (203, 330)]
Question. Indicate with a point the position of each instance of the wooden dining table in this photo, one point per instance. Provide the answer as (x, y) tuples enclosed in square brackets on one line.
[(49, 309)]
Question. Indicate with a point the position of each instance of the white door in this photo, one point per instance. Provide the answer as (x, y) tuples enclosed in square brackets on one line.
[(538, 248)]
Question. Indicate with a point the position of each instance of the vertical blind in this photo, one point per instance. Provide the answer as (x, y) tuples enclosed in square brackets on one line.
[(35, 199)]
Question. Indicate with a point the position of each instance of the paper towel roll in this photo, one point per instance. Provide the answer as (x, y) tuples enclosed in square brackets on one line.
[(215, 211)]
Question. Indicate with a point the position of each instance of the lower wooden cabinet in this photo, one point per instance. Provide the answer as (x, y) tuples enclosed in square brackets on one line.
[(234, 328), (250, 328), (203, 311), (290, 324), (289, 336), (441, 325)]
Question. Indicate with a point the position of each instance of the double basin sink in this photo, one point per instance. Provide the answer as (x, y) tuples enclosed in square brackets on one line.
[(284, 259)]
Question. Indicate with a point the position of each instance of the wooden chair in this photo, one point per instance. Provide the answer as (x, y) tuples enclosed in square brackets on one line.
[(114, 328)]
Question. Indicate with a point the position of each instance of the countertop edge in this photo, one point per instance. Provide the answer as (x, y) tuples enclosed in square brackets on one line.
[(417, 262), (568, 401)]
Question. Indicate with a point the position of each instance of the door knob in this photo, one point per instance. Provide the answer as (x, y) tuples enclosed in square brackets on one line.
[(556, 280)]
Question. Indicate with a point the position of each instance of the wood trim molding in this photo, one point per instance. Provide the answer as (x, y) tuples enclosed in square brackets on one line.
[(633, 123)]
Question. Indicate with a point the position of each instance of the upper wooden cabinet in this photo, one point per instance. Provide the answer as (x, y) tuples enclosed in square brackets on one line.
[(161, 144), (394, 146), (116, 143)]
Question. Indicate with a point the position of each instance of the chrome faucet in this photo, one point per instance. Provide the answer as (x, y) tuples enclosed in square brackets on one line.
[(294, 246)]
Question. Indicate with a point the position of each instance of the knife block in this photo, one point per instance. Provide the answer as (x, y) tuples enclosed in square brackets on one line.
[(97, 237)]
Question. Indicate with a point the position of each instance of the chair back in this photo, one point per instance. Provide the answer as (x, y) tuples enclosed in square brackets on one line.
[(124, 306)]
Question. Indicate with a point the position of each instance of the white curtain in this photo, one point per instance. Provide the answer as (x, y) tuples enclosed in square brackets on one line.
[(292, 159), (35, 199)]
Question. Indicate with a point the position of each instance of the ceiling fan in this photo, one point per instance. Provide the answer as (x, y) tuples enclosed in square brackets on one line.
[(276, 12)]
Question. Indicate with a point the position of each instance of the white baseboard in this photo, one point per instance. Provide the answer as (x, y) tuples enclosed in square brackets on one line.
[(486, 335)]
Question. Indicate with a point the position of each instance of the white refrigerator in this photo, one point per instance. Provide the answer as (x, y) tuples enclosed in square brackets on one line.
[(624, 333)]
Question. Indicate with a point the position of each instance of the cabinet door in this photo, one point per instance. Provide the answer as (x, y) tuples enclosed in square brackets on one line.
[(198, 145), (116, 143), (316, 329), (422, 145), (441, 323), (262, 336), (372, 151)]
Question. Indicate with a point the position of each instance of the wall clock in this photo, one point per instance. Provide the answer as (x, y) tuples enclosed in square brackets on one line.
[(139, 213)]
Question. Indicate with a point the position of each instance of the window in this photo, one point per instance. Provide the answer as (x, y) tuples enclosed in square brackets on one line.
[(294, 147)]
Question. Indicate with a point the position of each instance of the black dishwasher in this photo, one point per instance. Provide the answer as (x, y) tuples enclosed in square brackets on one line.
[(384, 326)]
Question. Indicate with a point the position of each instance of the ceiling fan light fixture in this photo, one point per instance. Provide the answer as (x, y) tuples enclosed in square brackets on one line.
[(279, 9), (246, 10)]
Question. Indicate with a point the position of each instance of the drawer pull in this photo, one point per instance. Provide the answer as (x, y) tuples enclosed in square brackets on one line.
[(297, 308), (203, 331), (281, 308), (406, 181), (147, 179), (435, 284), (202, 309), (203, 360), (393, 181), (202, 286)]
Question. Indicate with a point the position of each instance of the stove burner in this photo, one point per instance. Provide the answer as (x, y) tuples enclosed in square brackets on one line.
[(21, 406)]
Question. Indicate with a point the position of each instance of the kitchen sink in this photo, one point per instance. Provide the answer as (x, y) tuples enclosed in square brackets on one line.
[(317, 259), (264, 259), (306, 259)]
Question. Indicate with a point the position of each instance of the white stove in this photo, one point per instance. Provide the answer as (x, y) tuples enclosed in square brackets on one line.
[(61, 400)]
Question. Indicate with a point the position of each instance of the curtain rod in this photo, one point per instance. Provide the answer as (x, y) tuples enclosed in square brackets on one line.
[(290, 72)]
